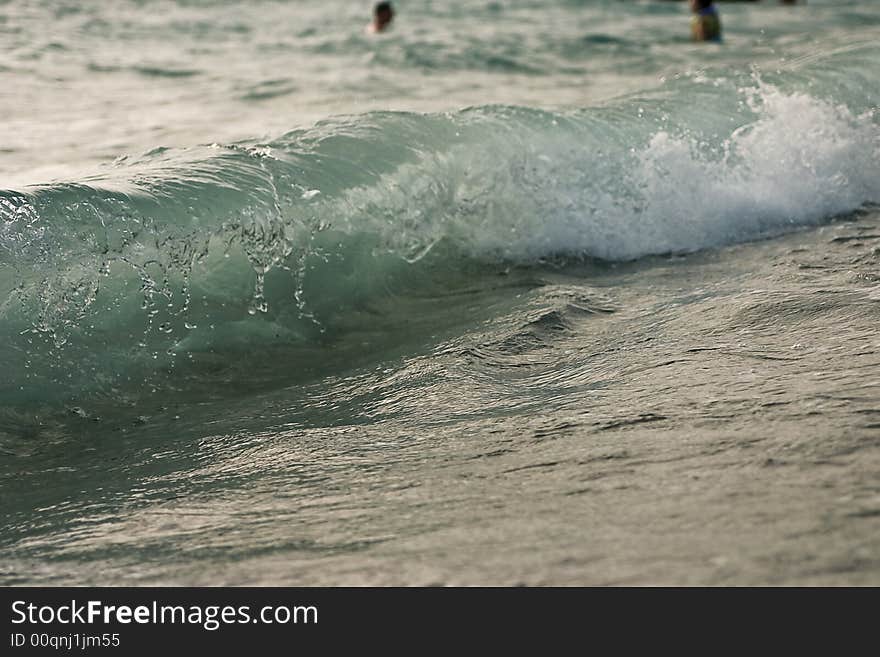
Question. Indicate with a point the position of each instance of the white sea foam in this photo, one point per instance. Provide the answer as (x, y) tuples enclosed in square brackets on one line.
[(797, 161)]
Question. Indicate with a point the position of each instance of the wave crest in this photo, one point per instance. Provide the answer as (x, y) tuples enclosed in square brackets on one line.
[(173, 251)]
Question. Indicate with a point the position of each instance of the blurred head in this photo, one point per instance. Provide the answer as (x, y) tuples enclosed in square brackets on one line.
[(697, 5), (382, 15)]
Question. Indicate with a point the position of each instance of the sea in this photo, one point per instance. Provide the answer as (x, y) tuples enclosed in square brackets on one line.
[(514, 293)]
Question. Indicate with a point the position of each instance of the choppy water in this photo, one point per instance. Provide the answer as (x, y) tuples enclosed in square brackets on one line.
[(517, 293)]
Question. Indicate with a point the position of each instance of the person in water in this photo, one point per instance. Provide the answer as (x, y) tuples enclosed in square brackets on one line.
[(383, 14), (705, 24)]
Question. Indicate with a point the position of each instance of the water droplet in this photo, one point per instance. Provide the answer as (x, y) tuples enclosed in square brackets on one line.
[(259, 305)]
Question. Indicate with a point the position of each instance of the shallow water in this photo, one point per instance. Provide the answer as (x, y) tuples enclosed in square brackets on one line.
[(510, 295)]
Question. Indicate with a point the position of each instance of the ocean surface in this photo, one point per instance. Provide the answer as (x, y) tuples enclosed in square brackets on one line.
[(516, 293)]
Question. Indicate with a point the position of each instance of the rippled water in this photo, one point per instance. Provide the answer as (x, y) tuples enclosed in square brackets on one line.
[(517, 293)]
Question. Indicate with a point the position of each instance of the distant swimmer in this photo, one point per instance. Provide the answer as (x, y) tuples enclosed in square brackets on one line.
[(383, 14), (705, 24)]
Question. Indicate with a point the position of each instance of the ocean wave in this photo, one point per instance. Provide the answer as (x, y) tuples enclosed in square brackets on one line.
[(182, 252)]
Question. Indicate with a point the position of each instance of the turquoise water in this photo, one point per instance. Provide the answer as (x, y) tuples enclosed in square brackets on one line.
[(516, 292)]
